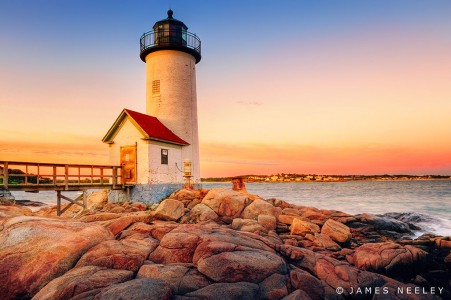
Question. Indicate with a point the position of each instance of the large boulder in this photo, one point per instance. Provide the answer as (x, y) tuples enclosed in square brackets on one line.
[(335, 274), (391, 259), (383, 223), (298, 295), (337, 231), (308, 283), (226, 203), (9, 211), (142, 288), (303, 227), (286, 219), (97, 200), (249, 225), (323, 241), (315, 215), (221, 254), (186, 194), (175, 247), (200, 213), (226, 291), (81, 280), (182, 243), (115, 254), (160, 228), (447, 261), (123, 222), (181, 278), (267, 221), (99, 217), (34, 250), (169, 210), (274, 287), (231, 263), (260, 207), (329, 271), (172, 274)]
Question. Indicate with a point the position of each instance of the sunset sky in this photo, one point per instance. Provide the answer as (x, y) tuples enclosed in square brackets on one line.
[(330, 87)]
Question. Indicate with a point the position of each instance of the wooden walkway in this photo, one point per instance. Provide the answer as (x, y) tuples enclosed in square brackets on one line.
[(35, 177)]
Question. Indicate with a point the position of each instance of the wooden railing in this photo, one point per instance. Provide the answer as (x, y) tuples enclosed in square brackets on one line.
[(32, 176)]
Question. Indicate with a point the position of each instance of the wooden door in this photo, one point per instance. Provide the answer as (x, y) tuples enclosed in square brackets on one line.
[(128, 164)]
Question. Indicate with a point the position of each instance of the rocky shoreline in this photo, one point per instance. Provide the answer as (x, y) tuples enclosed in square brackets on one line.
[(217, 244)]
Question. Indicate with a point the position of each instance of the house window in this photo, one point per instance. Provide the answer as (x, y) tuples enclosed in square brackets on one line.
[(164, 156)]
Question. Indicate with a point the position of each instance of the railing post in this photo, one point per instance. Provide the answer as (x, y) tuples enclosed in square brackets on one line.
[(66, 177), (5, 175), (37, 176), (26, 174), (54, 175), (85, 200), (114, 177), (58, 203)]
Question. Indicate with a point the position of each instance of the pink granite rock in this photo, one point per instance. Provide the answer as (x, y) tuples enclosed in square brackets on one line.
[(391, 259), (35, 250), (337, 231), (169, 210), (226, 203), (81, 280), (302, 227)]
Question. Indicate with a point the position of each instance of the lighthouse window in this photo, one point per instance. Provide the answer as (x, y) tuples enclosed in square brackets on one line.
[(156, 87), (164, 156)]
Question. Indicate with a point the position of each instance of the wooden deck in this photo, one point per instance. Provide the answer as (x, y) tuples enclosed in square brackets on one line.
[(35, 177)]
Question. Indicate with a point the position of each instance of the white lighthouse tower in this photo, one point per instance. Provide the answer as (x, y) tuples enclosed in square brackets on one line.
[(171, 54), (159, 151)]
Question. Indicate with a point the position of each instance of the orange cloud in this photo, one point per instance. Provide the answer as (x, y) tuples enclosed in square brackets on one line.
[(85, 152)]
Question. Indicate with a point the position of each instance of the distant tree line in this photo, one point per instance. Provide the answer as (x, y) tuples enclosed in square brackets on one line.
[(314, 177), (16, 176)]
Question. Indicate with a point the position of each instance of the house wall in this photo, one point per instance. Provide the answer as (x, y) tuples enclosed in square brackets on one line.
[(163, 179), (128, 135), (160, 173)]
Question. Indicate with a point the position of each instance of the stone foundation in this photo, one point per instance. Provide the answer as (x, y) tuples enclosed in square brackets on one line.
[(146, 193)]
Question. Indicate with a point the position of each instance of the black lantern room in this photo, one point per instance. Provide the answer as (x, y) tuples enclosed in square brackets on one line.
[(170, 34)]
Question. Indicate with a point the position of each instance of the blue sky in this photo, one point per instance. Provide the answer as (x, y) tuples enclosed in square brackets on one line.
[(274, 75)]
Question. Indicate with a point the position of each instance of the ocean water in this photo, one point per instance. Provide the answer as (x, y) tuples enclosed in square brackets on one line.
[(426, 203)]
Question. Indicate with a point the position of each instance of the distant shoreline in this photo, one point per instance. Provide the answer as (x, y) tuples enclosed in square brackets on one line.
[(319, 181)]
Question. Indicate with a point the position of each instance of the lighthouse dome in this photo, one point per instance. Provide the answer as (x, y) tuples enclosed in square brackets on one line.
[(170, 23), (170, 34)]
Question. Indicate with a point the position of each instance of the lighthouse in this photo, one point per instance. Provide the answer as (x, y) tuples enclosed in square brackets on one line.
[(171, 54), (159, 150)]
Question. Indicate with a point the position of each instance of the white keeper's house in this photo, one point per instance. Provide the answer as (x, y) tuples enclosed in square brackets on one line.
[(154, 149)]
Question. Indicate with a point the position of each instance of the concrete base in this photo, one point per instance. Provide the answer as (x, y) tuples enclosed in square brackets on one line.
[(146, 193), (5, 195), (152, 193), (115, 196)]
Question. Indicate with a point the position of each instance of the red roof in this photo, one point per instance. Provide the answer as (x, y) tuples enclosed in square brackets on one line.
[(151, 126)]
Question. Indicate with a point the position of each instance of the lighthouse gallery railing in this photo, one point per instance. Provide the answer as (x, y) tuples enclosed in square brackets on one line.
[(170, 38)]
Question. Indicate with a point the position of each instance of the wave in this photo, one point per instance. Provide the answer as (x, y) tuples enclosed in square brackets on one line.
[(424, 223)]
